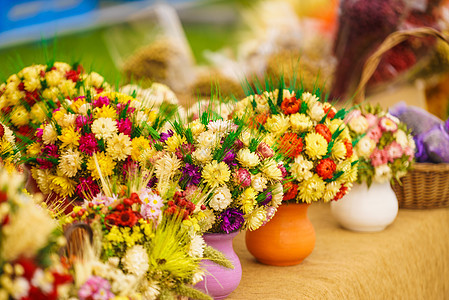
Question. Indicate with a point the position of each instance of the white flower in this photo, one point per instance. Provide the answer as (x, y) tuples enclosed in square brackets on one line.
[(94, 79), (67, 120), (167, 165), (245, 137), (152, 290), (70, 162), (43, 280), (277, 195), (365, 147), (401, 138), (197, 245), (83, 109), (300, 122), (119, 146), (358, 124), (220, 126), (203, 155), (247, 158), (197, 127), (259, 183), (300, 168), (207, 139), (20, 288), (271, 170), (198, 276), (49, 135), (136, 260), (382, 173), (221, 199), (309, 98), (316, 111), (141, 117), (104, 128), (277, 124)]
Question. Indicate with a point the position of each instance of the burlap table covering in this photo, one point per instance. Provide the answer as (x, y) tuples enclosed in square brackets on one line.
[(409, 260)]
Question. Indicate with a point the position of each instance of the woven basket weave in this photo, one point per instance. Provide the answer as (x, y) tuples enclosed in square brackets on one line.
[(426, 185)]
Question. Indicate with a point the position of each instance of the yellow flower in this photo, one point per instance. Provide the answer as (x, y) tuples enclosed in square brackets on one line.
[(300, 168), (197, 127), (139, 144), (174, 142), (316, 145), (94, 79), (106, 111), (300, 122), (69, 137), (62, 185), (75, 106), (271, 170), (350, 172), (70, 162), (34, 149), (277, 124), (32, 84), (338, 151), (67, 88), (105, 163), (37, 113), (216, 174), (152, 115), (59, 115), (311, 189), (119, 146), (248, 158), (53, 78), (20, 116), (256, 218), (332, 188), (248, 200)]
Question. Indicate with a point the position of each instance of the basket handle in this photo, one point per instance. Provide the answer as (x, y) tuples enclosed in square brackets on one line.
[(392, 40)]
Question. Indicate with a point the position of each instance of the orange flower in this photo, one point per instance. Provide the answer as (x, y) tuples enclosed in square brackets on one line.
[(290, 105), (331, 113), (324, 131), (290, 144), (343, 191), (348, 146), (290, 191), (258, 120), (326, 168)]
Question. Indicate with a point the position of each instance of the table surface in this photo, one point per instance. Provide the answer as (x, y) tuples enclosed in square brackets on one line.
[(408, 260)]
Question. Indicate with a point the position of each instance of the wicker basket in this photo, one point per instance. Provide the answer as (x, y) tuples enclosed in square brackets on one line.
[(424, 187)]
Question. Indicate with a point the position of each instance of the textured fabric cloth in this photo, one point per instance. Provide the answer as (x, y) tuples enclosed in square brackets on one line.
[(408, 260)]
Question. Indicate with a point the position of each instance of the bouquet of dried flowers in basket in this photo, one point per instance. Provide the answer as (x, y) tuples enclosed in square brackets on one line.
[(319, 161), (225, 165), (384, 146), (144, 243), (27, 97), (29, 240)]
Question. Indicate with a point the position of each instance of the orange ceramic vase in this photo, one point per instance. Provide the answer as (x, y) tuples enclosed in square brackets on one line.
[(286, 240)]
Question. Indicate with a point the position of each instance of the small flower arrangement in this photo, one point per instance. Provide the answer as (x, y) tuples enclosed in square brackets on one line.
[(232, 175), (319, 161), (9, 152), (384, 145), (29, 239), (26, 97), (145, 241), (86, 137)]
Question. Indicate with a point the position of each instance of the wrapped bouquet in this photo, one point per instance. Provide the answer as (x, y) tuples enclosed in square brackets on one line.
[(29, 239), (384, 145), (86, 137), (319, 161), (234, 177), (27, 97)]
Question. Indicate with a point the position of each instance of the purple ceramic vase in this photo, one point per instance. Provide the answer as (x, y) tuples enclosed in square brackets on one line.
[(219, 281)]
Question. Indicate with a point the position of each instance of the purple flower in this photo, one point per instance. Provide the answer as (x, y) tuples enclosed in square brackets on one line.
[(51, 151), (191, 174), (243, 177), (283, 170), (184, 150), (88, 144), (229, 158), (95, 288), (446, 125), (232, 219), (124, 126), (87, 187), (166, 135), (238, 144), (267, 199), (152, 182), (101, 101), (129, 168), (421, 153)]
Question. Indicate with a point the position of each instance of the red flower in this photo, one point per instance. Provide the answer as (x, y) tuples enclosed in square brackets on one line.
[(72, 75), (135, 198), (324, 131), (290, 105), (330, 112), (290, 144), (343, 190), (2, 130), (290, 191), (349, 150), (326, 168), (258, 120), (124, 218), (21, 86)]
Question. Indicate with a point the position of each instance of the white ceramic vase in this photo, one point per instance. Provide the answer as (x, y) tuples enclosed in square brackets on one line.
[(366, 210)]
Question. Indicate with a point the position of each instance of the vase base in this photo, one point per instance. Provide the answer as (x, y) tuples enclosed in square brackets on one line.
[(277, 263), (366, 228)]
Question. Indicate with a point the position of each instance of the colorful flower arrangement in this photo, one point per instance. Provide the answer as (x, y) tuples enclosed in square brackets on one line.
[(87, 138), (319, 161), (9, 152), (384, 146), (29, 238), (232, 175), (144, 242), (27, 97)]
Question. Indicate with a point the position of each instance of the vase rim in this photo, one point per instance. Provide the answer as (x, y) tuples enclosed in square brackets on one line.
[(221, 234)]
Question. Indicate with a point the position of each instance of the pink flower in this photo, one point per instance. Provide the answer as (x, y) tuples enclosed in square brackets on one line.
[(353, 114), (375, 134), (101, 102), (124, 126), (372, 119), (95, 288), (264, 150), (243, 177), (410, 153), (388, 124), (378, 157), (394, 150), (81, 121), (88, 144), (283, 170)]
